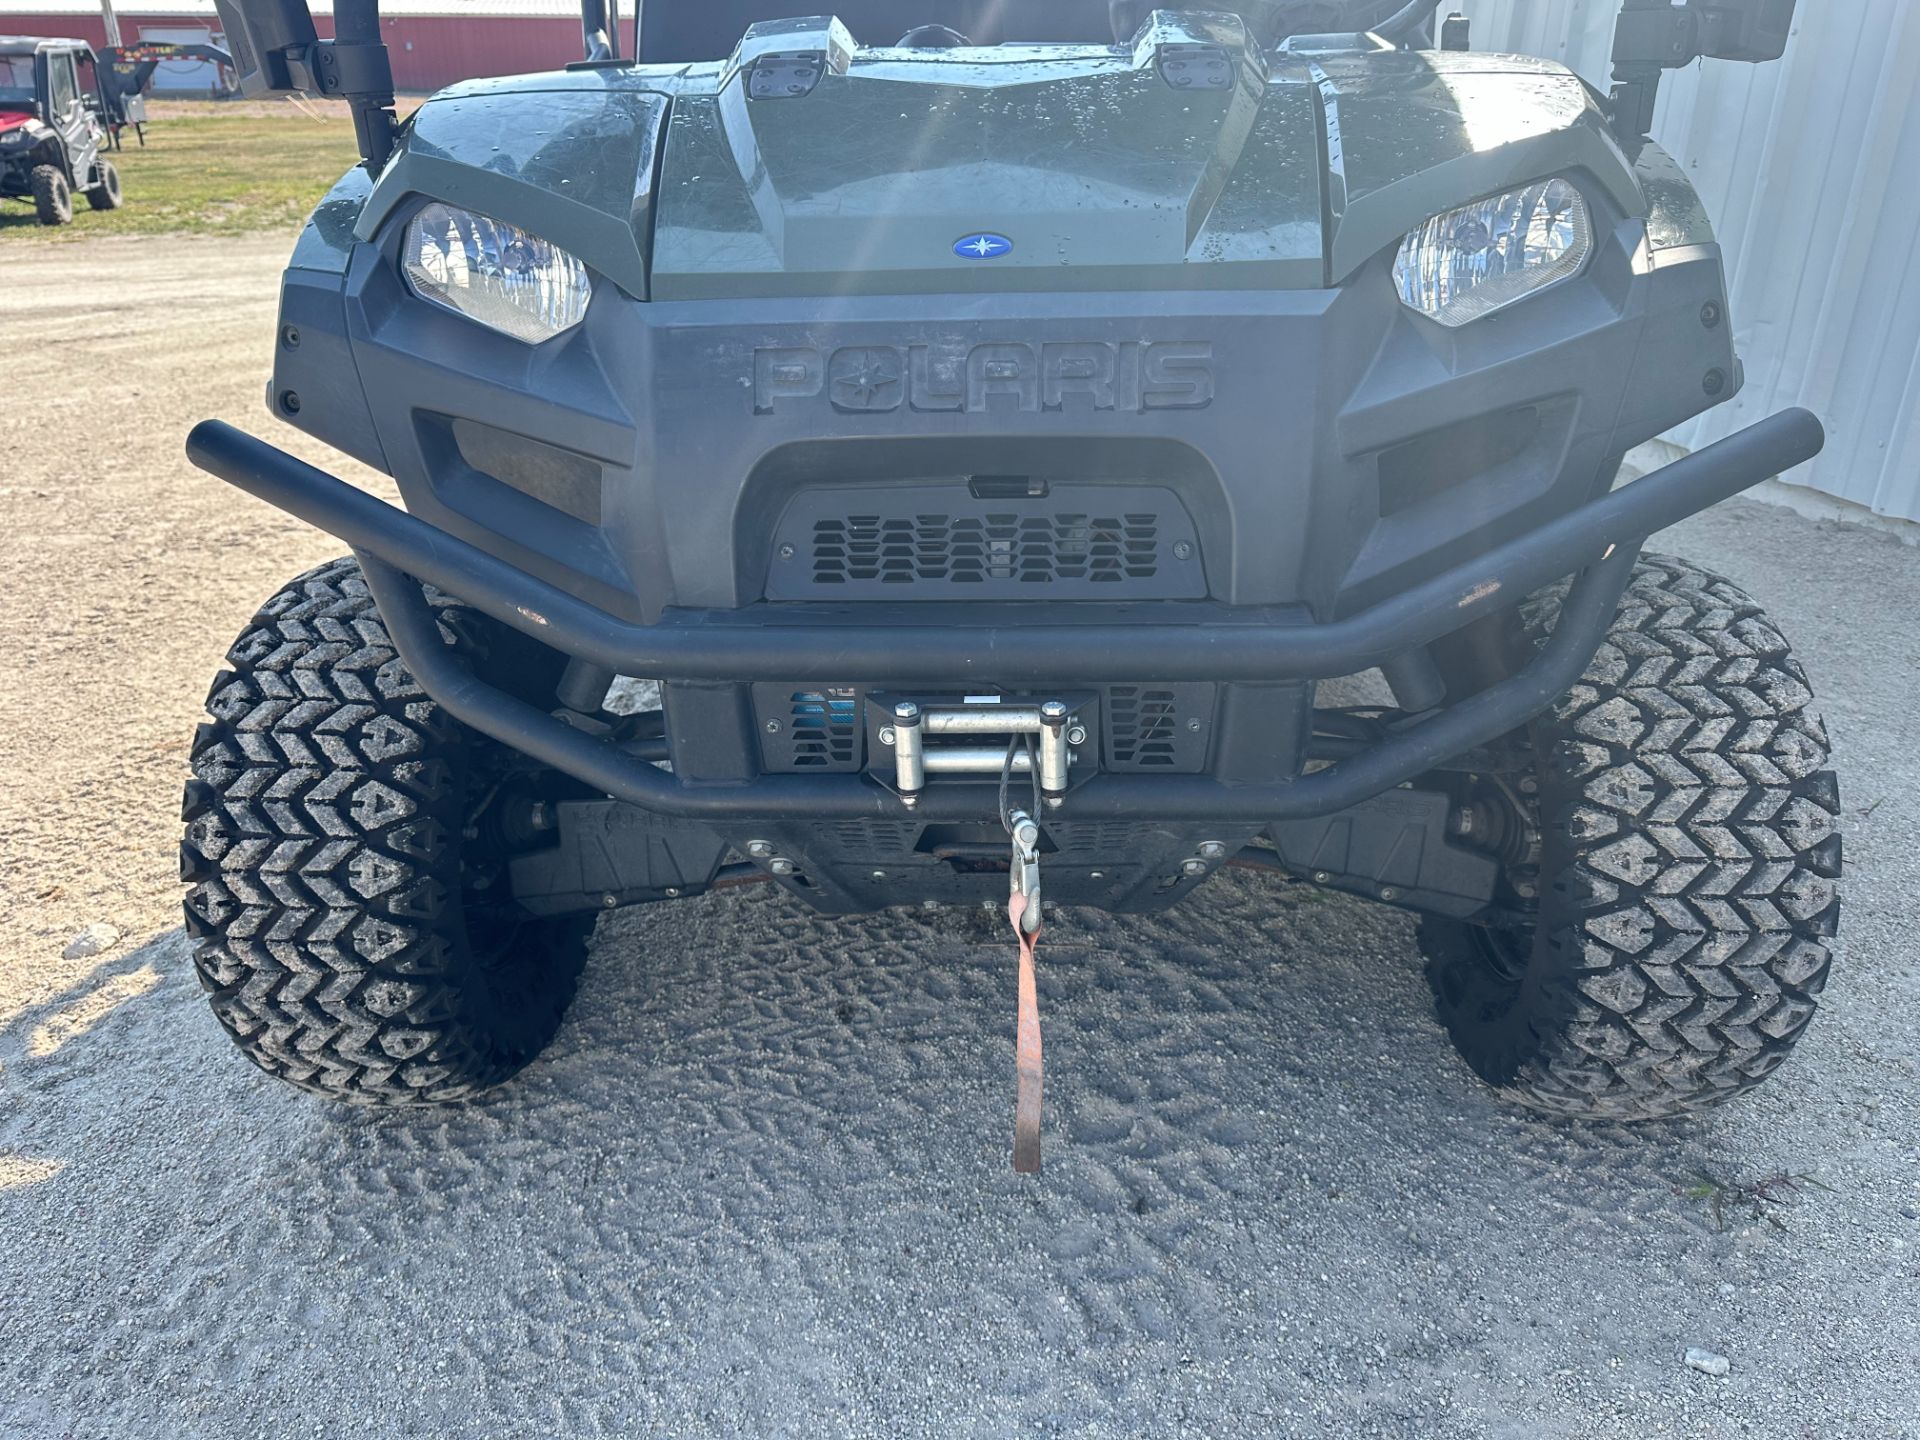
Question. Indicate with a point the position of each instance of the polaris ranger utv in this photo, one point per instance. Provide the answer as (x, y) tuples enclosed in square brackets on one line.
[(990, 443), (51, 132)]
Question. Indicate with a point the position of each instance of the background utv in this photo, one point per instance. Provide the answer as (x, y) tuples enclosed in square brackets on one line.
[(52, 130), (990, 447)]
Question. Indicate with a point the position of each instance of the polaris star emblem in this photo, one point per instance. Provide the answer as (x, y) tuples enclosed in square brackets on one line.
[(866, 378), (982, 247)]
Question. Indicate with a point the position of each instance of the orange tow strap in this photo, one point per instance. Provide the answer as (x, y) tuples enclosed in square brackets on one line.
[(1026, 1053)]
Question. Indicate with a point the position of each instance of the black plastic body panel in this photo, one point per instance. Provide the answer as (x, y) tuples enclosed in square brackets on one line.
[(1394, 847), (316, 384), (856, 865), (1268, 415), (607, 854)]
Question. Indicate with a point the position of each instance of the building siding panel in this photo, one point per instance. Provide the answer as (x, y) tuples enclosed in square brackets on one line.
[(1807, 167)]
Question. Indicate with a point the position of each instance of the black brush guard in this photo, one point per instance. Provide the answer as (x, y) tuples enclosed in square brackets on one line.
[(1599, 542)]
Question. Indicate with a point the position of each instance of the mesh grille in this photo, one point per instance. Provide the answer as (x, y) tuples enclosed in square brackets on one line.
[(1142, 726), (976, 549), (823, 724)]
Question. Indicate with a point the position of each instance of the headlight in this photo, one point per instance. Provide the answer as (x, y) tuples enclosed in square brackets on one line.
[(501, 276), (1475, 260)]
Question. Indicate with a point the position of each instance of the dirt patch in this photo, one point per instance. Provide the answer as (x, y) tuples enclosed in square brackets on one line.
[(128, 572)]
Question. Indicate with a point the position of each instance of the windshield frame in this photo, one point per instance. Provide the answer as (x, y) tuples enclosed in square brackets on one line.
[(12, 95)]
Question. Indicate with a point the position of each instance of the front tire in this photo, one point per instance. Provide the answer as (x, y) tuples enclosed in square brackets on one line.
[(340, 869), (1687, 861), (106, 195), (52, 196)]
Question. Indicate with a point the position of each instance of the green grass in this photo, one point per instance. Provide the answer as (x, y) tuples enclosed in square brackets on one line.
[(211, 173), (1759, 1199)]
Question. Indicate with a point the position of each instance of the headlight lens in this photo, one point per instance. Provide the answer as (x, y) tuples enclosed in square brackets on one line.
[(491, 272), (1475, 260)]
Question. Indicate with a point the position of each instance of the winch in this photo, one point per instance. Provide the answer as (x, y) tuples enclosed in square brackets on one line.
[(988, 730)]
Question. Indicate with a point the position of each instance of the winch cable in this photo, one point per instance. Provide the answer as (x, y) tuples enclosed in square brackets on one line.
[(1015, 743), (1023, 911)]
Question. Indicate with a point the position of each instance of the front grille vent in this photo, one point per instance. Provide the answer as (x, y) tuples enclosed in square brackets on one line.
[(1073, 540), (975, 549), (1143, 726), (808, 726), (868, 839), (823, 727), (1105, 839), (1159, 727)]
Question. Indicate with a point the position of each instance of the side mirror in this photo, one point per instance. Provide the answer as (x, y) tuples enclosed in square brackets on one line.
[(271, 47), (1667, 36), (1751, 30), (261, 36), (1657, 35)]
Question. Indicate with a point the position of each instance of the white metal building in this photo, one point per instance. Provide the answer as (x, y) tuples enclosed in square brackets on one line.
[(1811, 170)]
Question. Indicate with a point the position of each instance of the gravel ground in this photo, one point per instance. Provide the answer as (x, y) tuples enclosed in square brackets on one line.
[(760, 1185)]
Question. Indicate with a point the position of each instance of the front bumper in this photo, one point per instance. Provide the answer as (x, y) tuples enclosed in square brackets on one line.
[(986, 645)]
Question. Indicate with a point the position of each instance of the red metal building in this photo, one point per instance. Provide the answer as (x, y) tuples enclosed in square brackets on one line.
[(432, 42)]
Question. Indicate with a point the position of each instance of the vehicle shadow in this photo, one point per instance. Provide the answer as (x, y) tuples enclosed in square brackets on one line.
[(764, 1173)]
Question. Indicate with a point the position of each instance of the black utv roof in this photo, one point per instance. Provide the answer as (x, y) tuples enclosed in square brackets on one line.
[(34, 44)]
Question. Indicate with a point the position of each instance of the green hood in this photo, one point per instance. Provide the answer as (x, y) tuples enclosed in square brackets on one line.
[(806, 165)]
